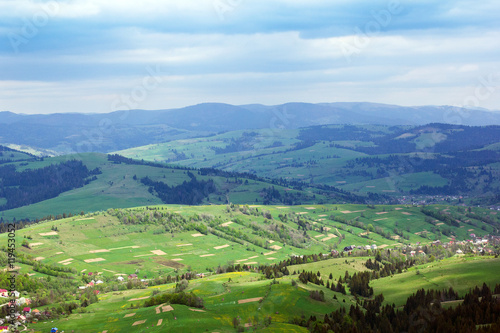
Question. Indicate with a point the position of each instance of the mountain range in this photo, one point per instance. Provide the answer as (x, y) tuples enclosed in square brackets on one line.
[(107, 132)]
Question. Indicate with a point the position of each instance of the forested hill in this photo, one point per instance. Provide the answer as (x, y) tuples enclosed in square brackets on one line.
[(36, 187)]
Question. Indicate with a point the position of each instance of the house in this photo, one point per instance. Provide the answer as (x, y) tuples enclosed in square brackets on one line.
[(132, 276), (4, 293), (36, 312), (374, 246), (90, 273), (4, 329), (120, 278), (23, 300), (27, 310), (99, 282), (21, 318), (460, 251)]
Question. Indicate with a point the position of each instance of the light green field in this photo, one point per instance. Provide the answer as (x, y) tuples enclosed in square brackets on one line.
[(459, 273)]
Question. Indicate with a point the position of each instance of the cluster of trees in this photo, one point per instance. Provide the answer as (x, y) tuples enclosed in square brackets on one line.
[(188, 193), (312, 277), (243, 143), (31, 186), (183, 298)]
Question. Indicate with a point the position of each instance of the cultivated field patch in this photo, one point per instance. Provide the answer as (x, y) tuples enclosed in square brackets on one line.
[(94, 260), (249, 300)]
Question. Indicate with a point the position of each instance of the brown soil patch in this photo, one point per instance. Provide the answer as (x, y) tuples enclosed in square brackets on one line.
[(39, 258), (345, 211), (406, 213), (221, 247), (99, 251), (382, 246), (309, 208), (197, 235), (269, 253), (398, 208), (470, 230), (65, 260), (385, 218), (282, 207), (94, 260), (52, 233), (138, 299), (35, 244), (275, 247), (140, 322), (167, 308), (129, 315), (302, 213), (251, 263), (132, 262), (253, 257), (177, 259), (59, 252), (159, 322), (440, 223), (125, 247), (249, 300), (271, 258), (319, 236), (197, 310), (226, 224), (323, 215), (380, 213), (169, 263), (158, 252), (184, 245), (207, 255)]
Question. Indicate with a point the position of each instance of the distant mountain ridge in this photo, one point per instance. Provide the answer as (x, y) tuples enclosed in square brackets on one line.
[(76, 132)]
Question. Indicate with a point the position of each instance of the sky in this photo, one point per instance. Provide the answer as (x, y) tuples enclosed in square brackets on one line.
[(96, 56)]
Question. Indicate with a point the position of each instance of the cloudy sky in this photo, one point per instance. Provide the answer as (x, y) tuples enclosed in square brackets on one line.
[(104, 55)]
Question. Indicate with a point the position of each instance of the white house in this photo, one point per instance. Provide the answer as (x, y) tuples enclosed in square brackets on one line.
[(120, 278)]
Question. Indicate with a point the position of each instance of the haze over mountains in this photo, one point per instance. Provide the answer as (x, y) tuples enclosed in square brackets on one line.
[(74, 132)]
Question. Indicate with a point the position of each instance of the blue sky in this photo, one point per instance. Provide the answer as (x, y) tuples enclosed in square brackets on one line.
[(99, 55)]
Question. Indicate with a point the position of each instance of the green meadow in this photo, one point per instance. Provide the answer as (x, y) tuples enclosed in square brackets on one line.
[(105, 245)]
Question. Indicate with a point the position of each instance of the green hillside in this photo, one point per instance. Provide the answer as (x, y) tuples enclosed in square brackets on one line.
[(162, 242), (424, 161), (121, 183)]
